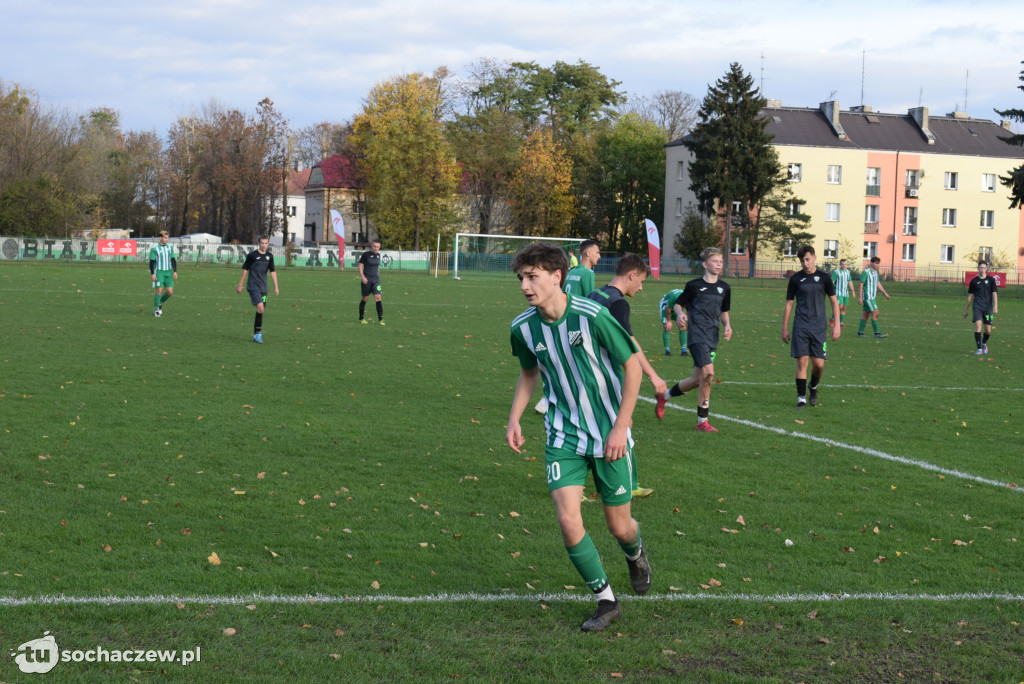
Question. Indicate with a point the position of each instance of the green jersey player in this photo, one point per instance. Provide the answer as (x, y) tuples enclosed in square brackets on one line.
[(843, 284), (866, 294), (163, 272), (591, 380), (671, 313)]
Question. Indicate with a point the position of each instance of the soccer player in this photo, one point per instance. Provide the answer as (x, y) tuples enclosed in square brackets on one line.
[(983, 299), (672, 313), (866, 293), (258, 263), (592, 376), (630, 274), (580, 280), (708, 300), (810, 289), (369, 274), (163, 272), (843, 283)]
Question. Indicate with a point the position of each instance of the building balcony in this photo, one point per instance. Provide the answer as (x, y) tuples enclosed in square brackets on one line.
[(910, 229), (873, 191), (871, 227), (912, 191)]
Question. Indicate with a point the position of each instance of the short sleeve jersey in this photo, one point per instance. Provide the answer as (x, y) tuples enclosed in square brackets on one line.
[(870, 279), (162, 255), (580, 358), (705, 302), (612, 298), (579, 281), (811, 292), (258, 265), (841, 281), (982, 289), (371, 266), (669, 302)]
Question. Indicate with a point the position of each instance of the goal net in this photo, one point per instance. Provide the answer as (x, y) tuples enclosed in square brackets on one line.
[(478, 254)]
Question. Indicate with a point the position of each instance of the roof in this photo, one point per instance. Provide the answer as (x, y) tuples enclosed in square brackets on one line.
[(297, 181), (336, 171), (868, 130)]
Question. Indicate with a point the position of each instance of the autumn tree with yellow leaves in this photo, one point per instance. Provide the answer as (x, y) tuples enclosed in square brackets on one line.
[(540, 192)]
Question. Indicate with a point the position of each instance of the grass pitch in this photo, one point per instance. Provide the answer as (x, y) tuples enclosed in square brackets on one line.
[(339, 500)]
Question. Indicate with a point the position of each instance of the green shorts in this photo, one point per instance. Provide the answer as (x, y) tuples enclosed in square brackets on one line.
[(843, 299), (613, 481), (164, 279), (870, 305)]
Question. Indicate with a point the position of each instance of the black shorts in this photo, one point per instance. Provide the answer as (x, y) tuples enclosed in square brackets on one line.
[(808, 343), (371, 288), (258, 297), (983, 316), (702, 354)]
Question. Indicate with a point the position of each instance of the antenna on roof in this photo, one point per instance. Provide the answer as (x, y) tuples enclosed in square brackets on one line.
[(762, 73), (920, 96), (862, 53), (967, 76)]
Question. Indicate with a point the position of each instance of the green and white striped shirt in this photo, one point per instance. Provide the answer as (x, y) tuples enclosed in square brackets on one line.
[(162, 255), (870, 279), (580, 357), (841, 278)]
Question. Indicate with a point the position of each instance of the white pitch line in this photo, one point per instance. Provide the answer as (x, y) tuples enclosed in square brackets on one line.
[(882, 387), (471, 597), (859, 449)]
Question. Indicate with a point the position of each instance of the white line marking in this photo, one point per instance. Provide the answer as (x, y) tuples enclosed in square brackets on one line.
[(470, 597), (859, 449), (883, 387)]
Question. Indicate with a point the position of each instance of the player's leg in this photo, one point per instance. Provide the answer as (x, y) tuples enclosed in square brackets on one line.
[(684, 338), (380, 305), (817, 368), (156, 297), (707, 377), (863, 319), (609, 478), (801, 380), (987, 322), (842, 315), (260, 301), (874, 322)]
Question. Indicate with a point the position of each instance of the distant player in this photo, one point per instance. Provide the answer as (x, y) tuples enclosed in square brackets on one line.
[(810, 290), (630, 274), (672, 316), (589, 367), (163, 271), (983, 300), (258, 263), (580, 280), (708, 300), (843, 284), (369, 274), (867, 291)]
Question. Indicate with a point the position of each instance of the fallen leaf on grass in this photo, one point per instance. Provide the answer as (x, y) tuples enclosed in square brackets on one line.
[(728, 531), (957, 542), (813, 614), (230, 631), (214, 560)]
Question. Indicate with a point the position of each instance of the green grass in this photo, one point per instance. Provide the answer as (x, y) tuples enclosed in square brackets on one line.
[(369, 462)]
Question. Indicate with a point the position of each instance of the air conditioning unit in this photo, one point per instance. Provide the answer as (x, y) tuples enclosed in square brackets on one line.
[(911, 192)]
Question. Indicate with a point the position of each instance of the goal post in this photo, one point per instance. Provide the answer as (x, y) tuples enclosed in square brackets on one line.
[(480, 253)]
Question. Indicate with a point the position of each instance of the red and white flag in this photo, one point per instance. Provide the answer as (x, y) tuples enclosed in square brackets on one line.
[(653, 248), (338, 225)]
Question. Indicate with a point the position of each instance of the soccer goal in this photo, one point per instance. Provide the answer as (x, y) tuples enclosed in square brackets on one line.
[(476, 253)]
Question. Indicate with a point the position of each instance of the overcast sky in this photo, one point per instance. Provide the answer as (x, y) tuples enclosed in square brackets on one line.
[(154, 61)]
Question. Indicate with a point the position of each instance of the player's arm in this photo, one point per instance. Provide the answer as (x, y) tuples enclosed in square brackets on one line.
[(995, 301), (152, 265), (659, 385), (785, 319), (617, 442), (174, 267), (681, 319), (525, 387), (860, 292), (273, 274), (835, 314), (361, 276), (727, 332)]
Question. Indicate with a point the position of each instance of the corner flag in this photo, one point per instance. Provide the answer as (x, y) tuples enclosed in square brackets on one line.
[(338, 225), (653, 248)]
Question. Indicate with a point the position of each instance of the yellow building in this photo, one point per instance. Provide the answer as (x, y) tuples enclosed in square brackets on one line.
[(920, 192)]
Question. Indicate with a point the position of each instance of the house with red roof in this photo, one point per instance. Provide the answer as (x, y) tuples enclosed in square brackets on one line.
[(336, 183)]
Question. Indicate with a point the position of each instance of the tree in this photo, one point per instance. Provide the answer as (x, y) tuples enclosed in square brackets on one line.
[(632, 162), (540, 191), (673, 111), (779, 219), (697, 232), (319, 141), (1015, 180), (733, 159), (411, 173)]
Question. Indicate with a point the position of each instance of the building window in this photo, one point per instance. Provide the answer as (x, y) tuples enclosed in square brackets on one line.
[(988, 182), (835, 175), (793, 208), (293, 211), (910, 220), (870, 218), (947, 254), (679, 206), (909, 251), (988, 218), (831, 211), (952, 180), (681, 168), (795, 172), (985, 253), (913, 182), (870, 249), (738, 245), (949, 218), (831, 249), (874, 181), (789, 247)]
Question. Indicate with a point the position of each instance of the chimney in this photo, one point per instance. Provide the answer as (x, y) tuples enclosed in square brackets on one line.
[(920, 117), (773, 104), (831, 112), (959, 115), (862, 109), (1005, 123)]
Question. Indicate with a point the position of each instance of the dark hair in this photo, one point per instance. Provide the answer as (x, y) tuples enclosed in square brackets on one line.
[(587, 244), (262, 237), (631, 262), (876, 260), (803, 251), (982, 261), (542, 255)]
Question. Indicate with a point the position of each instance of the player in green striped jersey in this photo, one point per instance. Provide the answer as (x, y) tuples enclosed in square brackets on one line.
[(843, 284), (591, 380), (163, 270), (866, 294), (671, 313)]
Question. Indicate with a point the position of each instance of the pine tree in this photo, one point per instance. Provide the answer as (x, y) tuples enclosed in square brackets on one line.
[(1015, 181), (733, 159)]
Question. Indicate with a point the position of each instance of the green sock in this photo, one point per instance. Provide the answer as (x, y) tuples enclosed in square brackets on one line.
[(682, 339), (874, 325), (632, 549), (860, 326), (156, 301), (842, 319), (664, 339), (588, 562), (164, 298)]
